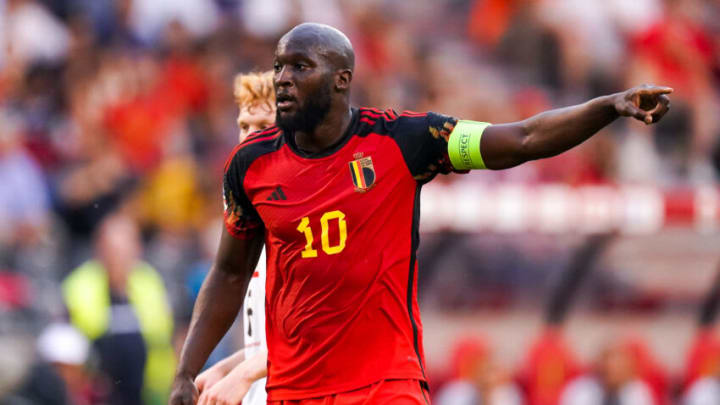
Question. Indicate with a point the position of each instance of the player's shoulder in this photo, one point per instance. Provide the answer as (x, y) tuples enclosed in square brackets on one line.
[(380, 121), (406, 123), (391, 118), (255, 145), (374, 114), (268, 139), (387, 115)]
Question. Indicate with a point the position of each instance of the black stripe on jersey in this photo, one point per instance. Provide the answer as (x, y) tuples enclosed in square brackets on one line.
[(259, 139), (371, 114), (368, 121), (251, 149), (354, 178), (408, 113), (349, 133), (230, 157), (267, 131), (415, 241), (423, 389), (388, 114)]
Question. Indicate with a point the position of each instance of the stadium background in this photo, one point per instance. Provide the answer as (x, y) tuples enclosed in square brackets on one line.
[(126, 105)]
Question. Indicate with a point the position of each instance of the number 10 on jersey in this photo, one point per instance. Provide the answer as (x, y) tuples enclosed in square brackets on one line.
[(306, 230)]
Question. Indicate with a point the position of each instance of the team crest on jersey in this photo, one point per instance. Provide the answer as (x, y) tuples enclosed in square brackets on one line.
[(362, 173)]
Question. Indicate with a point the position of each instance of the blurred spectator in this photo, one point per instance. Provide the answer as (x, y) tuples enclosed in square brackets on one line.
[(24, 199), (59, 376), (615, 381), (678, 50), (531, 48), (33, 33), (580, 26), (649, 370), (703, 358), (490, 19), (170, 199), (266, 18), (107, 20), (120, 303), (149, 18), (209, 241), (549, 365), (14, 291), (477, 379)]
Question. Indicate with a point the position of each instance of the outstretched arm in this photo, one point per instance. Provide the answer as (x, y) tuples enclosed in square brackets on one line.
[(553, 132), (217, 305), (233, 387)]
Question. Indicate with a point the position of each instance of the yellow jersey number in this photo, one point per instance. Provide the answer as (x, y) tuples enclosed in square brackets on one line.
[(305, 229)]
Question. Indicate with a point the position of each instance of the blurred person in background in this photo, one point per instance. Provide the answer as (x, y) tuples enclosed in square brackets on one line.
[(700, 383), (550, 362), (649, 370), (93, 176), (255, 97), (548, 366), (32, 33), (119, 302), (241, 377), (193, 281), (60, 376), (478, 379), (68, 350), (703, 357), (24, 195), (615, 381), (678, 49)]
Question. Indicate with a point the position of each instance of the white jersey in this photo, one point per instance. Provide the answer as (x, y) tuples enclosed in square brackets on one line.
[(254, 328)]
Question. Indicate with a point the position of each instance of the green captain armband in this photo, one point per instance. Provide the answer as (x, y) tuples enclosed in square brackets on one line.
[(464, 145)]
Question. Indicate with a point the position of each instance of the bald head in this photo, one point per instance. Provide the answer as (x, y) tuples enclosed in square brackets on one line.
[(326, 41), (313, 71)]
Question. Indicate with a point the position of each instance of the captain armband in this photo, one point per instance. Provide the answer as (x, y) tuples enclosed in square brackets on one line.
[(464, 145)]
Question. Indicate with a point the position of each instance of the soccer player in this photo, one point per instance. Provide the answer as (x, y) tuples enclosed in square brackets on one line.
[(333, 191), (255, 98), (242, 375)]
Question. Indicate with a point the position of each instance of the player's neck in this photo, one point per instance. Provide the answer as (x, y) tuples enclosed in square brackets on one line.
[(327, 133)]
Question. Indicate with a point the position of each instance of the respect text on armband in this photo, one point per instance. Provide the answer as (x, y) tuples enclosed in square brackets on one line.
[(465, 149)]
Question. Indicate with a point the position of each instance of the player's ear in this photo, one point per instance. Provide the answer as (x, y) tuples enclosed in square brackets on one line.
[(343, 78)]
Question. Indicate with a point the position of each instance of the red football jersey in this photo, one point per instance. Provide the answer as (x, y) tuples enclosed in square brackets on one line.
[(341, 231)]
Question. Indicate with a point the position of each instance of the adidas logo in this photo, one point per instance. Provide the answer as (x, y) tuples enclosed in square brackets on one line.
[(277, 195)]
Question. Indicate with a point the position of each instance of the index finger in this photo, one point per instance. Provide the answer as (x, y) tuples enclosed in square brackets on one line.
[(655, 90)]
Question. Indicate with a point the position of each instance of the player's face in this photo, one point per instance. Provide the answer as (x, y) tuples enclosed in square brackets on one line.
[(254, 118), (303, 87)]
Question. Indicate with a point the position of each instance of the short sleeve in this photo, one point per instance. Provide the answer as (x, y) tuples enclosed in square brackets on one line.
[(423, 140), (241, 218)]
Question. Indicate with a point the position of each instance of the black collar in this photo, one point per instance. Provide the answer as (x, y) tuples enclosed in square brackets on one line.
[(290, 139)]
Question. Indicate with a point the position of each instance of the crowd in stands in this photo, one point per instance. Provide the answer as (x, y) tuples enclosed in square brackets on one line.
[(116, 117)]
